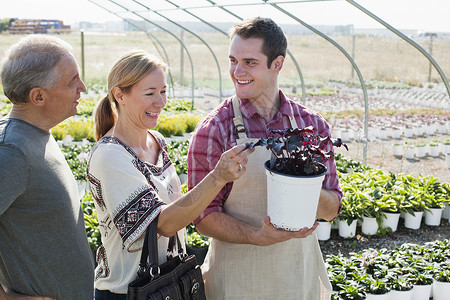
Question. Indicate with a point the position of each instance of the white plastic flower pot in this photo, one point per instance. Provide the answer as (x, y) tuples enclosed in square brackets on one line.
[(446, 212), (421, 151), (346, 230), (446, 148), (292, 200), (409, 152), (390, 220), (441, 290), (413, 222), (377, 296), (447, 160), (369, 226), (442, 128), (346, 135), (433, 217), (396, 134), (383, 134), (400, 295), (397, 149), (421, 292), (430, 129), (409, 132), (323, 231), (434, 150)]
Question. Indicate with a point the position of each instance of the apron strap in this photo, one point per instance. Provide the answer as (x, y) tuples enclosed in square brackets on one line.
[(239, 128)]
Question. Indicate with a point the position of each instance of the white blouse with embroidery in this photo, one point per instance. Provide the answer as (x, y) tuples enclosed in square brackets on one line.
[(128, 194)]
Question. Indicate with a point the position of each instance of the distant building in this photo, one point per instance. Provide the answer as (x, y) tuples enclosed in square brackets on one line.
[(30, 26)]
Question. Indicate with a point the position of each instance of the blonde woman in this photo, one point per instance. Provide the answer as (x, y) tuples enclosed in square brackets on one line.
[(132, 178)]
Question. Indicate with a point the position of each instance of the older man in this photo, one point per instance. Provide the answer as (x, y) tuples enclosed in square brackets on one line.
[(43, 247)]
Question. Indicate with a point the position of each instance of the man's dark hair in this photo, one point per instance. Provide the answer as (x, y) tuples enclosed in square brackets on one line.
[(274, 40)]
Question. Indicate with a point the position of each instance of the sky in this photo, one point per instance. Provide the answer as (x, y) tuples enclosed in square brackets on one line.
[(422, 15)]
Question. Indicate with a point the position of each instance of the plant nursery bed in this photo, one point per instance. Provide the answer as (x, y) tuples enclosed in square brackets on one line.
[(380, 156), (338, 245)]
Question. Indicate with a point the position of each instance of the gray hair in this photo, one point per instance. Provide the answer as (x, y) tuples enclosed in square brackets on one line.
[(32, 63)]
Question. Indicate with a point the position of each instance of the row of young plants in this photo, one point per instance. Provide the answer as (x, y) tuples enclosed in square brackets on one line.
[(367, 192), (77, 155), (417, 271), (177, 118), (373, 196), (372, 192)]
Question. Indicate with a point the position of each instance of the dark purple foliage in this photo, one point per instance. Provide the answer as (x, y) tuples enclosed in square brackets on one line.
[(298, 151)]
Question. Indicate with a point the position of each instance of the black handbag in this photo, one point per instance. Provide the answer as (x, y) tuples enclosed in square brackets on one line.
[(179, 278)]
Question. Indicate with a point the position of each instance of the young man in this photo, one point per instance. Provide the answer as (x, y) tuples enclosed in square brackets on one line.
[(248, 257), (43, 246)]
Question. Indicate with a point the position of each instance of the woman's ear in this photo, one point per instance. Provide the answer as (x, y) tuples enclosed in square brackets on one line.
[(37, 96), (118, 94)]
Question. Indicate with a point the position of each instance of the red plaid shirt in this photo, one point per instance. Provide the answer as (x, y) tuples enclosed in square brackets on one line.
[(215, 134)]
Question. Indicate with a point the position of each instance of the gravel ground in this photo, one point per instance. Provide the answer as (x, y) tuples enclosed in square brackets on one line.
[(338, 245)]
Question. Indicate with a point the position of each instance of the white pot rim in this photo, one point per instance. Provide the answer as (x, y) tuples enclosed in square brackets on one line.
[(267, 163)]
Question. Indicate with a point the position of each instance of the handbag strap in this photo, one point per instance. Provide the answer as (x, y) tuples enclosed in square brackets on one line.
[(171, 246), (150, 248)]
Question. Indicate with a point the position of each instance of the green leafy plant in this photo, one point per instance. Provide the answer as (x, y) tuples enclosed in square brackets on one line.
[(79, 129), (170, 124), (442, 273), (86, 107), (377, 286), (178, 151), (350, 206), (178, 105), (352, 290), (195, 239), (91, 222), (76, 157), (418, 278), (399, 284), (347, 165)]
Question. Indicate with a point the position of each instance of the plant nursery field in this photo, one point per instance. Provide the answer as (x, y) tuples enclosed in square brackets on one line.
[(387, 59), (401, 166)]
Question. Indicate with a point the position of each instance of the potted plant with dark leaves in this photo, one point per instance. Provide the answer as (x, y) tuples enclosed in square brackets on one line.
[(295, 174)]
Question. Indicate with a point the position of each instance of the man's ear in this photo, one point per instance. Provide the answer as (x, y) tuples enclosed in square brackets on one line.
[(277, 63), (37, 96), (118, 94)]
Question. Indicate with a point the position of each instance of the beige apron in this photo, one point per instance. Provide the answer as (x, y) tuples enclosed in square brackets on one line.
[(290, 270)]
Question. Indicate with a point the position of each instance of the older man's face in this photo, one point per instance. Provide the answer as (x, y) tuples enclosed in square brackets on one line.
[(62, 98)]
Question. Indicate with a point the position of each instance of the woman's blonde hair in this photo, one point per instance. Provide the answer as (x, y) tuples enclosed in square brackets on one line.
[(126, 71)]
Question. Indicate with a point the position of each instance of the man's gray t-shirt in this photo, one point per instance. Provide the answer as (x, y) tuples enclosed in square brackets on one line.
[(43, 245)]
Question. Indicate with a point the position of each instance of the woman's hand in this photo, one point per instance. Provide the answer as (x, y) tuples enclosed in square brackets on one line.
[(189, 206), (231, 164)]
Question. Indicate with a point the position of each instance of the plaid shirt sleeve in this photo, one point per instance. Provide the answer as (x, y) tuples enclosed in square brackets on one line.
[(209, 141)]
